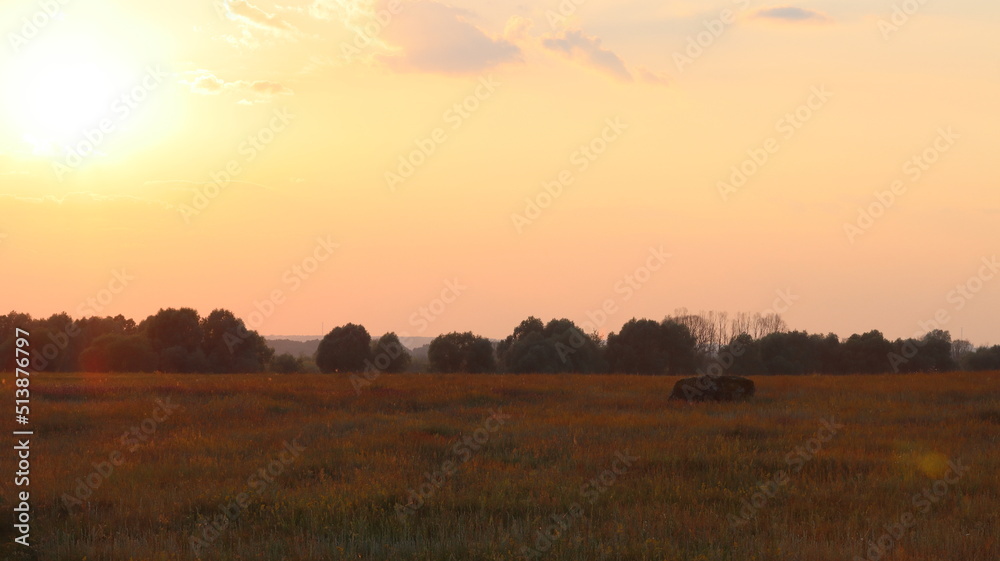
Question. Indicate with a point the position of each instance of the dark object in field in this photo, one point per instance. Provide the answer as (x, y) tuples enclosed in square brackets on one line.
[(713, 388)]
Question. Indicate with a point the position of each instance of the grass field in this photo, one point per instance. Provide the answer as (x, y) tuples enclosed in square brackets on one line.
[(604, 465)]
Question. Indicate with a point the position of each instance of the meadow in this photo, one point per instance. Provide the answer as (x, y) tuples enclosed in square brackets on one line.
[(440, 467)]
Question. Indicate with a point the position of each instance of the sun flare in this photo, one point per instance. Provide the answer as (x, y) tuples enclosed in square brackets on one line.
[(64, 87)]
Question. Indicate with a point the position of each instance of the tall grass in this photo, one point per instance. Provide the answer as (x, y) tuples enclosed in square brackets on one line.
[(365, 452)]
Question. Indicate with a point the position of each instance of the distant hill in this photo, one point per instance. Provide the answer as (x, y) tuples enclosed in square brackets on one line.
[(299, 338), (306, 345), (415, 342), (292, 347)]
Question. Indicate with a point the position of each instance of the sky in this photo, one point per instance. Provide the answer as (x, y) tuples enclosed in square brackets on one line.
[(425, 167)]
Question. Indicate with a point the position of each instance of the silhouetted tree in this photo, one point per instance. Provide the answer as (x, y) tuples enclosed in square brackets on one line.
[(230, 347), (114, 352), (830, 358), (344, 349), (641, 347), (173, 327), (936, 351), (93, 327), (285, 363), (867, 353), (743, 356), (9, 324), (578, 352), (985, 358), (532, 325), (461, 352), (791, 353), (932, 353), (681, 348), (557, 347), (960, 350), (176, 336), (389, 355), (56, 344)]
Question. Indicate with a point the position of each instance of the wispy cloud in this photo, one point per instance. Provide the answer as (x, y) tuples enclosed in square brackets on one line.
[(205, 82), (353, 10), (651, 77), (189, 186), (245, 11), (579, 46), (792, 14), (86, 198), (432, 37), (254, 22)]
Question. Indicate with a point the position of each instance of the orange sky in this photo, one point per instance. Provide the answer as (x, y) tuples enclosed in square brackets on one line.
[(327, 161)]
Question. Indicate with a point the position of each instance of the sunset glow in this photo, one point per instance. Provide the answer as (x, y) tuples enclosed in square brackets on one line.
[(535, 154)]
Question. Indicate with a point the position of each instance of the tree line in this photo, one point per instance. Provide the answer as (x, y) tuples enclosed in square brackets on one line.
[(172, 340), (179, 340)]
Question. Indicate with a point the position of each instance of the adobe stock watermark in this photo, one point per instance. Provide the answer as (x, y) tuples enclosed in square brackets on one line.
[(292, 280), (705, 380), (566, 9), (787, 126), (784, 300), (121, 109), (375, 366), (914, 169), (959, 298), (421, 320), (435, 308), (258, 481), (922, 503), (32, 25), (581, 160), (249, 150), (455, 116), (626, 288), (130, 441), (367, 34), (795, 461), (462, 451), (546, 537), (697, 44), (902, 13), (633, 282), (91, 306), (221, 9)]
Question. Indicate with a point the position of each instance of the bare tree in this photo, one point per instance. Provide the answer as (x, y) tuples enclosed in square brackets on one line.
[(772, 323), (701, 329), (960, 348), (723, 334), (741, 324), (713, 330)]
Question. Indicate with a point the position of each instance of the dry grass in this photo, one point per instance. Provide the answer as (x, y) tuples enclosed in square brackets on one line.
[(364, 452)]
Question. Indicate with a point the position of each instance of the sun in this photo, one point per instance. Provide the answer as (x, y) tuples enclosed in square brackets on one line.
[(61, 87)]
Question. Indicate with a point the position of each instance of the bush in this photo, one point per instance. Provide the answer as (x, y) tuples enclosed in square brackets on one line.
[(344, 349)]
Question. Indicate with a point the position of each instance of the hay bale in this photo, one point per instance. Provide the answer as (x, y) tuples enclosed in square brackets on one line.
[(713, 388)]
